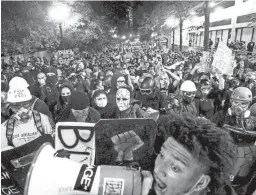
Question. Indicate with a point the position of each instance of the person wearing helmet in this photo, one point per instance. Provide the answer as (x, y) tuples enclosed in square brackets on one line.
[(27, 123), (150, 95), (241, 124), (186, 96), (238, 113)]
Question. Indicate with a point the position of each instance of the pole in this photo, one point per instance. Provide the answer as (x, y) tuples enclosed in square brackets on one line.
[(206, 25), (61, 36), (173, 30), (181, 26)]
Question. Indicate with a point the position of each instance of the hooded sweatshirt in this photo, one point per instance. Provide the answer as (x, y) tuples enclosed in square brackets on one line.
[(112, 93)]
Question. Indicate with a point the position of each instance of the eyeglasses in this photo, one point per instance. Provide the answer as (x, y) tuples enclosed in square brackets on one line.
[(121, 81)]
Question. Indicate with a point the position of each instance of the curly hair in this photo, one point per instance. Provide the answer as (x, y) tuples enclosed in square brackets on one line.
[(212, 146)]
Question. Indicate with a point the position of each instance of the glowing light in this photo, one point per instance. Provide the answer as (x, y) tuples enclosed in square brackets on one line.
[(59, 12), (212, 4), (123, 37), (115, 36), (172, 22), (130, 35), (192, 13), (218, 9)]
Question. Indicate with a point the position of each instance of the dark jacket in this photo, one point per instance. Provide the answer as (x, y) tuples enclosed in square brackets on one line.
[(107, 112), (155, 100)]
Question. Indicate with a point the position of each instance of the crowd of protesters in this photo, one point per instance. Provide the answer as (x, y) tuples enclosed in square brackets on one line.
[(139, 83)]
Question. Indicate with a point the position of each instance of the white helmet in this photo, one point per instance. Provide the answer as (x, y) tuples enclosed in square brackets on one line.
[(18, 91), (18, 82), (188, 86)]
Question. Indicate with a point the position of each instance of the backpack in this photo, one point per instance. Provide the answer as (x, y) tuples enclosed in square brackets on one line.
[(11, 124)]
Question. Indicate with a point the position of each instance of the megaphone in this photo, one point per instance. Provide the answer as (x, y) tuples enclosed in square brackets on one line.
[(53, 175)]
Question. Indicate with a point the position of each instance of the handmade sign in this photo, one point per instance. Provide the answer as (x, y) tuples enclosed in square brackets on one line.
[(77, 140), (18, 160), (122, 140), (206, 62), (223, 59), (65, 56)]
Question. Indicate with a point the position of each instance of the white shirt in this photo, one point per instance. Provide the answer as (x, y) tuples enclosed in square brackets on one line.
[(25, 132)]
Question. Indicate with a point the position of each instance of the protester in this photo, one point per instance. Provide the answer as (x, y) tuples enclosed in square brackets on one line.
[(27, 123), (142, 83), (196, 158), (79, 110)]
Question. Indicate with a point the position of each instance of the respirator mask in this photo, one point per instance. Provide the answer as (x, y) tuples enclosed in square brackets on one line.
[(22, 111)]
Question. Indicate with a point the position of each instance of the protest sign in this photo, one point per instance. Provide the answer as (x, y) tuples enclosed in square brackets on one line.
[(206, 62), (77, 139), (18, 160), (223, 59), (122, 140), (65, 56)]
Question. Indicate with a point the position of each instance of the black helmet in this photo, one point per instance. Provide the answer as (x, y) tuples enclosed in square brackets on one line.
[(147, 85)]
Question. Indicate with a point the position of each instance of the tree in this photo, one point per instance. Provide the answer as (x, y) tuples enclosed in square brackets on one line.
[(161, 11), (24, 27)]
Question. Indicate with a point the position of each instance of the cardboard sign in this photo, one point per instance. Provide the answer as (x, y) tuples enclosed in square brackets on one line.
[(65, 56), (122, 140), (206, 62), (223, 59), (8, 185), (18, 160), (77, 139)]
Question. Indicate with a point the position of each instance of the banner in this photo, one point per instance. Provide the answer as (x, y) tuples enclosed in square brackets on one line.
[(223, 59), (77, 140), (206, 62), (122, 140), (65, 56)]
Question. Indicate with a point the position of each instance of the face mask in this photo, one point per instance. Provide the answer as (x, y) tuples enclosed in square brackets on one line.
[(101, 101), (41, 81), (52, 79), (238, 108), (66, 99), (188, 97), (123, 99), (205, 91)]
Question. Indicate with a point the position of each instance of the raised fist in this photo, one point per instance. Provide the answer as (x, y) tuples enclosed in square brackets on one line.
[(125, 143)]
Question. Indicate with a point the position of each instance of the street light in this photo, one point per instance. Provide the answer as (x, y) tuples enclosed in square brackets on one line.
[(59, 13), (123, 37), (172, 22), (130, 35), (115, 35), (212, 4)]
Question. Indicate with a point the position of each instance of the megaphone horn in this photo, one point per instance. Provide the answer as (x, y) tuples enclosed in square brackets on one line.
[(53, 175)]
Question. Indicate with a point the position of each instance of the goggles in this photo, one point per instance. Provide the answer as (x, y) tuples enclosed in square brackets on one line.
[(19, 105), (189, 94), (242, 104), (145, 91)]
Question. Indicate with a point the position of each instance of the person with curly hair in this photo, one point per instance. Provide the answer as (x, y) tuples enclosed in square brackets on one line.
[(196, 157)]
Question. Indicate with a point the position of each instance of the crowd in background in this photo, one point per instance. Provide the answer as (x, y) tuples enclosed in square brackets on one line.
[(126, 83)]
